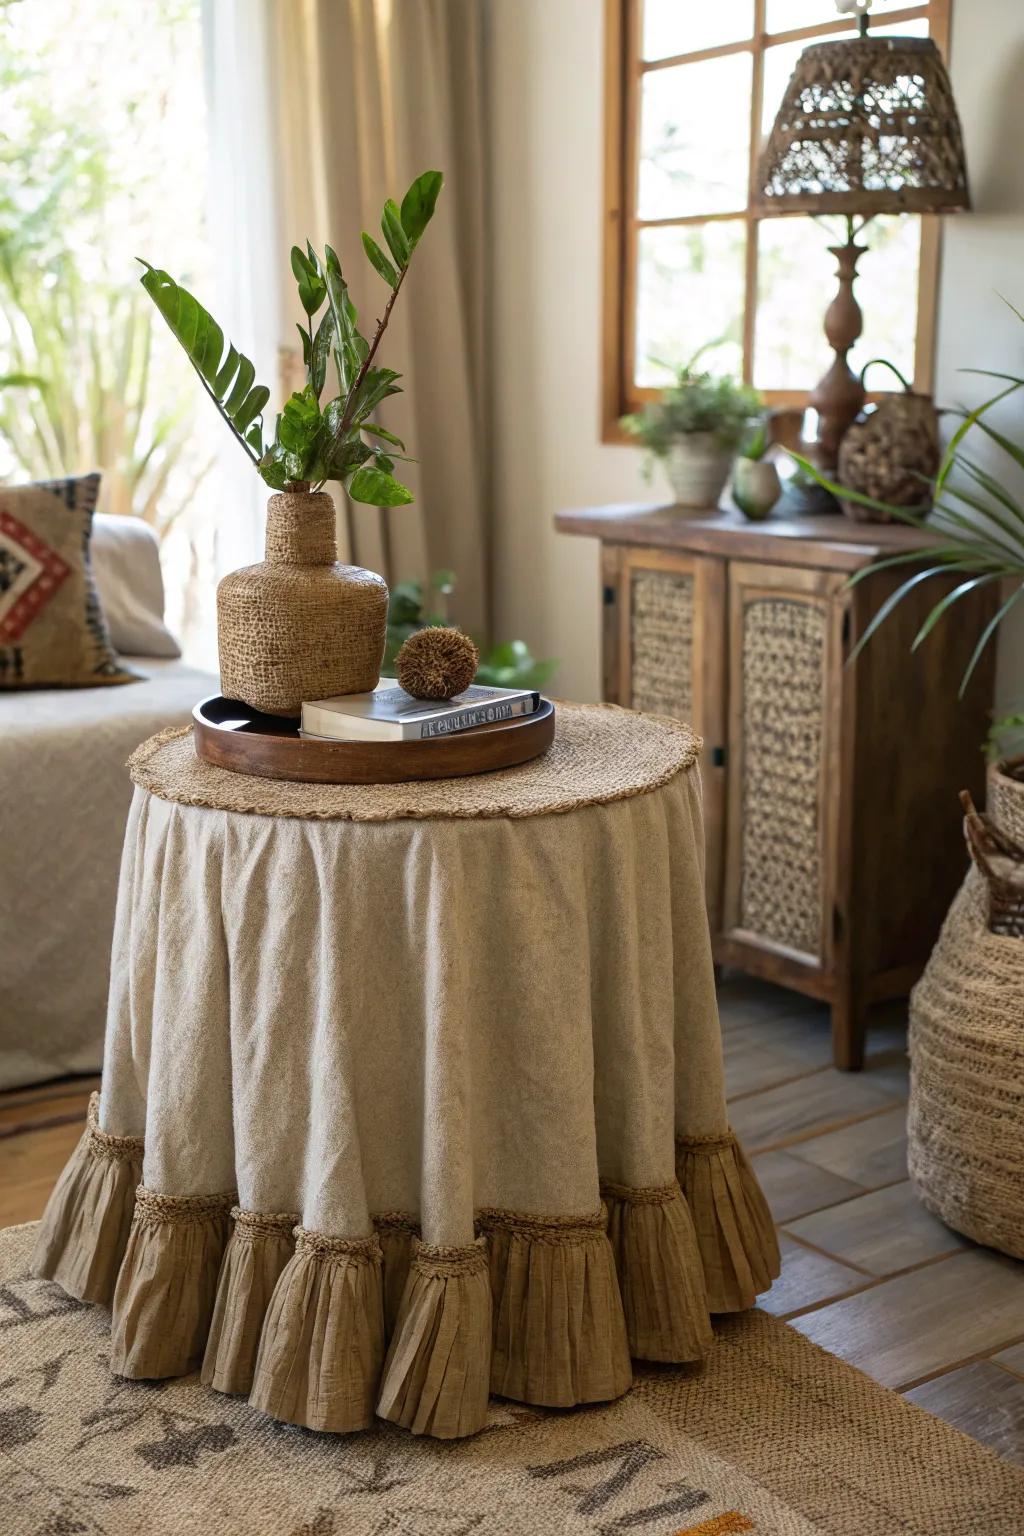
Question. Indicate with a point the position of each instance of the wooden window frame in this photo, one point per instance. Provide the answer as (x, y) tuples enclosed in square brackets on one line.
[(624, 72)]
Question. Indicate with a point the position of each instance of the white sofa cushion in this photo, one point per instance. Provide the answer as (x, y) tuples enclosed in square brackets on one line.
[(126, 569)]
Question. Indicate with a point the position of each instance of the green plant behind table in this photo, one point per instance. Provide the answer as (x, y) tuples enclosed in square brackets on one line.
[(412, 607), (696, 402), (980, 524), (314, 442), (75, 352)]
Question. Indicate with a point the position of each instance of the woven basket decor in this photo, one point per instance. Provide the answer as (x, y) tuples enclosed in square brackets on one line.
[(966, 1120), (299, 626), (661, 610)]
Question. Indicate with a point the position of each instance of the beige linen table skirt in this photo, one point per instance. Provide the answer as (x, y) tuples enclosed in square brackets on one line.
[(397, 1112)]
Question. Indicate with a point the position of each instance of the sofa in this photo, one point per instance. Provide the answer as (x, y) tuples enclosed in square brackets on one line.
[(64, 798)]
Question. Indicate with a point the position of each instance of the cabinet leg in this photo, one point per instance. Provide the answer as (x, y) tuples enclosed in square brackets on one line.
[(849, 1028)]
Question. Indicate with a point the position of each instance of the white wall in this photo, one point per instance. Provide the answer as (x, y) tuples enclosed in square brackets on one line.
[(546, 71)]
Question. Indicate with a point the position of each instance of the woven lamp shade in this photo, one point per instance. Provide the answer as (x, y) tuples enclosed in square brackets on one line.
[(868, 125)]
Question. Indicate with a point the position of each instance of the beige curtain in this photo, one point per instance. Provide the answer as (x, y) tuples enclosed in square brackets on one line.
[(370, 93)]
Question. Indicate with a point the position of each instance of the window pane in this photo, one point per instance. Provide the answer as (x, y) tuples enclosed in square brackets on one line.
[(695, 137), (796, 283), (690, 295), (675, 26)]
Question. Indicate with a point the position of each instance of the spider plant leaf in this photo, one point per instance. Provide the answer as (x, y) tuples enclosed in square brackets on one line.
[(986, 635), (1015, 451), (949, 458), (947, 602), (948, 553), (840, 490), (995, 489), (379, 261), (995, 535), (982, 539), (890, 603)]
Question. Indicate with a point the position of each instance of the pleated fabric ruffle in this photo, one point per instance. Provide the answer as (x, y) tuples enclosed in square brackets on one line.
[(735, 1233), (84, 1231), (167, 1285), (322, 1346), (559, 1335), (256, 1256), (328, 1331), (661, 1277), (436, 1372)]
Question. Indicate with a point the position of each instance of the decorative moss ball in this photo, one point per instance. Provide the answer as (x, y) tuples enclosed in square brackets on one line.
[(437, 663)]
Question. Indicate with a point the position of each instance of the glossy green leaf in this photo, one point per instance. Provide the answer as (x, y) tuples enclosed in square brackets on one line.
[(229, 379), (379, 261), (418, 204), (304, 335), (312, 290), (322, 344), (382, 432), (377, 489), (394, 234)]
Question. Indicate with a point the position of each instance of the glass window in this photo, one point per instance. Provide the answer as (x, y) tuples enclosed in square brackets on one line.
[(693, 265)]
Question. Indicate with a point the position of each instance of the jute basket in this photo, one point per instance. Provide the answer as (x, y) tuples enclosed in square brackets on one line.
[(966, 1120), (300, 625)]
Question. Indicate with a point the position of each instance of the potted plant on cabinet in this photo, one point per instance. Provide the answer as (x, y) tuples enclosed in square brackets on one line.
[(695, 428), (300, 625), (756, 486)]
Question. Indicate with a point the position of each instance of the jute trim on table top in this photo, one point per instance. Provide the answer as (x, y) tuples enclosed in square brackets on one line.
[(600, 754)]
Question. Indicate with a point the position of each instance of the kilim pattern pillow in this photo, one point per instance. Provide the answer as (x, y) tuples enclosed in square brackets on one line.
[(52, 630)]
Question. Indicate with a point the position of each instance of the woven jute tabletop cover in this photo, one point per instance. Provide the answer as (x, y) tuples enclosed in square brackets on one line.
[(413, 1092)]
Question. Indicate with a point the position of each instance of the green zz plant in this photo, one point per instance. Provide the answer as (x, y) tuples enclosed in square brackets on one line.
[(314, 442)]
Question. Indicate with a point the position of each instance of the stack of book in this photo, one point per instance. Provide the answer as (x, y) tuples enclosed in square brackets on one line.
[(391, 714)]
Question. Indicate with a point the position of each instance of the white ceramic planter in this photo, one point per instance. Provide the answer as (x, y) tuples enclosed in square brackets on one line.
[(756, 487), (697, 468)]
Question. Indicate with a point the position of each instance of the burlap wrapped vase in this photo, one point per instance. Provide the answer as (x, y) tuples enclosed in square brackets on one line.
[(300, 625)]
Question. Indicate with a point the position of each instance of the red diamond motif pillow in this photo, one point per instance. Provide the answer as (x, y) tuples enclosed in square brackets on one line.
[(52, 630)]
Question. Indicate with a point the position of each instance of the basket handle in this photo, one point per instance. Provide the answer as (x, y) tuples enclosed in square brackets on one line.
[(885, 363)]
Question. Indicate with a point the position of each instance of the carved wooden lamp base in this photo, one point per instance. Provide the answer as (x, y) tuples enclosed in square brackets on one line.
[(839, 395)]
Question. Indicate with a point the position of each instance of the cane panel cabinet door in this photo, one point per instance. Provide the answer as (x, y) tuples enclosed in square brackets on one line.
[(784, 762), (670, 655)]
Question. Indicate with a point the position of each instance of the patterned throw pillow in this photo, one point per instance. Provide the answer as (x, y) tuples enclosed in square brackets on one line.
[(52, 630)]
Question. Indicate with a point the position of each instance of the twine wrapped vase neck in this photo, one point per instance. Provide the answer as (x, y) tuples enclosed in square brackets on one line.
[(300, 626), (301, 529)]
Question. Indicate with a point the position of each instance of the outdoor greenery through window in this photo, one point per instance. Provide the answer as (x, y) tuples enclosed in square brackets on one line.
[(692, 98), (103, 155)]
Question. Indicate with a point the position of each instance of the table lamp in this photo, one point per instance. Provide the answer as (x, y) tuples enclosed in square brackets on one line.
[(867, 125)]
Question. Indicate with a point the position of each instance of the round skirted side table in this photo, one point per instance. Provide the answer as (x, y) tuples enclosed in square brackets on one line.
[(413, 1092)]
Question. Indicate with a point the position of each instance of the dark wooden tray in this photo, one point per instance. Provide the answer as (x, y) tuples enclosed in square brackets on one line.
[(233, 736)]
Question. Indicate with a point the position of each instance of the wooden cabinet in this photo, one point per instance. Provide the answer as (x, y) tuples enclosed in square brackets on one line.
[(833, 831)]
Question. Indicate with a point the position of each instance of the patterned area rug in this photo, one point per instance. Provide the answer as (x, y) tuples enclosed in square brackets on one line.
[(772, 1437)]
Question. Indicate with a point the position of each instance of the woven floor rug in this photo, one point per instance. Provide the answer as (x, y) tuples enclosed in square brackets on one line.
[(772, 1437)]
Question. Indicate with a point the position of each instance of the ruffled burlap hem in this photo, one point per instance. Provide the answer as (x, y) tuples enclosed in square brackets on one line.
[(735, 1232), (84, 1230), (327, 1331)]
